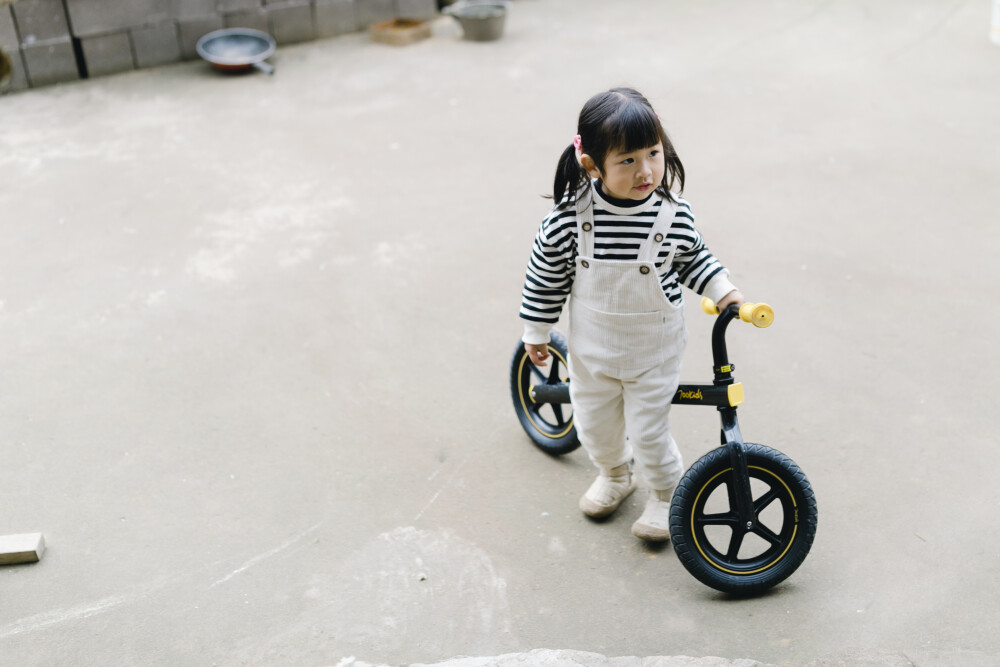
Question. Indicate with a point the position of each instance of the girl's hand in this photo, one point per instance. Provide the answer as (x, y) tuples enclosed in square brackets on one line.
[(734, 298), (537, 353)]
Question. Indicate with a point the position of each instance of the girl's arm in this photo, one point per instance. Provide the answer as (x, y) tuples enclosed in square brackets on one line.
[(697, 268), (548, 279)]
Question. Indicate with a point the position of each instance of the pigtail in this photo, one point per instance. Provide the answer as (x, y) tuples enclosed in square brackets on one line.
[(569, 176), (673, 174)]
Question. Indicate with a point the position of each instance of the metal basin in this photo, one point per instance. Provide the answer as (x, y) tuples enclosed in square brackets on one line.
[(481, 20), (237, 49)]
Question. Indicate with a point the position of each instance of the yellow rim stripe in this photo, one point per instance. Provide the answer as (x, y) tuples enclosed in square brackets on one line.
[(524, 406), (694, 535)]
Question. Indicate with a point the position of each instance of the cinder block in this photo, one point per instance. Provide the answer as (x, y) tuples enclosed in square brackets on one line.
[(40, 20), (9, 40), (97, 17), (416, 9), (256, 19), (193, 9), (228, 6), (191, 30), (11, 63), (107, 54), (26, 548), (156, 45), (292, 22), (50, 62), (335, 17), (374, 11)]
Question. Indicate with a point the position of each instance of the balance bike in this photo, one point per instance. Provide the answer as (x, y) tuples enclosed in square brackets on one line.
[(744, 515)]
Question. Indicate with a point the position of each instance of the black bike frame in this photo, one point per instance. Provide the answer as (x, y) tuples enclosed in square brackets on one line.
[(741, 498)]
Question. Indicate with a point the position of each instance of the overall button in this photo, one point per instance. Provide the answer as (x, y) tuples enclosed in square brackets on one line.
[(587, 226), (585, 264), (644, 270), (658, 238)]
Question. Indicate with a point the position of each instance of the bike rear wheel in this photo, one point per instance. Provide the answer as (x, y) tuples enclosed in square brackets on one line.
[(710, 540), (549, 425)]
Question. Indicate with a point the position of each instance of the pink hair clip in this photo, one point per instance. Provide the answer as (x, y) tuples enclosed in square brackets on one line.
[(577, 143)]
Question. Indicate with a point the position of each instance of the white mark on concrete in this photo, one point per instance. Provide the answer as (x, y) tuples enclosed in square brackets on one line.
[(572, 658), (557, 547), (385, 254), (392, 254), (339, 263), (421, 586), (85, 610), (155, 297), (34, 138), (292, 219), (294, 256), (445, 485), (264, 556), (48, 618)]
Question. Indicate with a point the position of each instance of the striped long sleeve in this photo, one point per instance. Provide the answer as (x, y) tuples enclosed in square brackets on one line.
[(618, 234)]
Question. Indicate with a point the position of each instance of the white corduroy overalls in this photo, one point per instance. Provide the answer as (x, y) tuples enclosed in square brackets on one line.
[(626, 343)]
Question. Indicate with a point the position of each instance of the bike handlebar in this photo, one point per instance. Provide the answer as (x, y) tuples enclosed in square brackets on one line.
[(760, 315)]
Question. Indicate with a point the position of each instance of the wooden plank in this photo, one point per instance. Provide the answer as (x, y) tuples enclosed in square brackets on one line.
[(25, 548)]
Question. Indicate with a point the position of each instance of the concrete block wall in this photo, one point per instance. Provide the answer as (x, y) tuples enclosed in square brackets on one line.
[(45, 42)]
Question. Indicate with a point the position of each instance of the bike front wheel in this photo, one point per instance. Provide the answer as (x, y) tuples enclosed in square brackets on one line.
[(729, 555)]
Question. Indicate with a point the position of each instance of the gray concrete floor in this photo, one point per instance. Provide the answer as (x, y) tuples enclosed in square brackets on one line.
[(255, 336)]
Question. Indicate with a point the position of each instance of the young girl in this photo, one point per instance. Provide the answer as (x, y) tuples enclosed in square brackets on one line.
[(621, 243)]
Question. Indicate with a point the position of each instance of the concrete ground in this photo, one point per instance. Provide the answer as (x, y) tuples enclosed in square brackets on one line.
[(255, 335)]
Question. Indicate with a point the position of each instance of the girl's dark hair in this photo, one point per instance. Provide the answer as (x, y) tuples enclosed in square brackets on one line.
[(620, 119)]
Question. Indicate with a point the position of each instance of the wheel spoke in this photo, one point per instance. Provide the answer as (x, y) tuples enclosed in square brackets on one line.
[(553, 374), (727, 519), (537, 372), (557, 409), (766, 533), (761, 503), (735, 542)]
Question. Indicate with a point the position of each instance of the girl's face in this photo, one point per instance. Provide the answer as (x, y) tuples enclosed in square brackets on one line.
[(633, 175)]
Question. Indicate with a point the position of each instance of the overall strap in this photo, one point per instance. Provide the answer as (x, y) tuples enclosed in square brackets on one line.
[(585, 225), (649, 251)]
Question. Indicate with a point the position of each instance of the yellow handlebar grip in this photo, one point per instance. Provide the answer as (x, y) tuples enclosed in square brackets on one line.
[(758, 314)]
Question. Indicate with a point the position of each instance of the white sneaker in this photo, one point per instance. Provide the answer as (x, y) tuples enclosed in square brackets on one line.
[(608, 491), (654, 524)]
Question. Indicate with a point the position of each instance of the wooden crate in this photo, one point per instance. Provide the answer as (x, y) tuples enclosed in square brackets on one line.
[(400, 32)]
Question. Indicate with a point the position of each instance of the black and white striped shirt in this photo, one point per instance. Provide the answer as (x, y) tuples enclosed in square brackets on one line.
[(619, 229)]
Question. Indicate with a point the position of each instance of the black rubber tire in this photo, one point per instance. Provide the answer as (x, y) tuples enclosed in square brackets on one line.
[(710, 557), (550, 426)]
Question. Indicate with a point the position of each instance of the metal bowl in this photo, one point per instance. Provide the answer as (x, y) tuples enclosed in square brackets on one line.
[(237, 49), (481, 20)]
